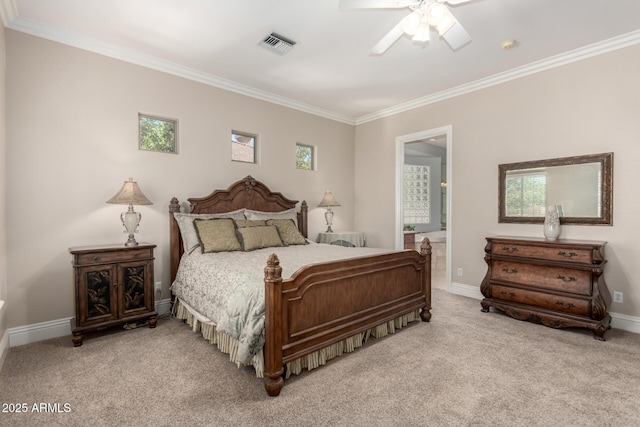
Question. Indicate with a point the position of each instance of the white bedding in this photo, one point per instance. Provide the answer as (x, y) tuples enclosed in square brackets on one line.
[(228, 287)]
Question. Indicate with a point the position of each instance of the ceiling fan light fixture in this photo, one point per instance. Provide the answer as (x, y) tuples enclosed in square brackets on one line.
[(422, 32), (411, 22), (440, 17)]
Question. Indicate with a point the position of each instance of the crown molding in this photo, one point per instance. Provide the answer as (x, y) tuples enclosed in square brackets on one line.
[(86, 43), (11, 20), (589, 51), (8, 11)]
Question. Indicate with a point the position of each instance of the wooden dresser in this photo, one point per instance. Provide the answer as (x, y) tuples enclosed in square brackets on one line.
[(557, 283)]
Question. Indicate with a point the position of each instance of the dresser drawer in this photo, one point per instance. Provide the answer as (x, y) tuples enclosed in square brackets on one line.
[(576, 306), (545, 277), (578, 255), (102, 257)]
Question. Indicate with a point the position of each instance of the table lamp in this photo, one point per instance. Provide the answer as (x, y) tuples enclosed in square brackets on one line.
[(327, 201), (130, 194)]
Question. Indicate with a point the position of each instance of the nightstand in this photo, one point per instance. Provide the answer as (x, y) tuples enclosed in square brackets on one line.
[(344, 238), (113, 285)]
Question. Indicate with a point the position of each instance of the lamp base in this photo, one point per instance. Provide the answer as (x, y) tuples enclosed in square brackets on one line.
[(131, 241), (329, 230)]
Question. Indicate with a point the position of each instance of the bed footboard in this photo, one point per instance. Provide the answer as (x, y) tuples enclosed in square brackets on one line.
[(325, 303)]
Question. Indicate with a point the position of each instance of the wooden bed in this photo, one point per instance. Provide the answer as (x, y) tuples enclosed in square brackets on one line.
[(324, 303)]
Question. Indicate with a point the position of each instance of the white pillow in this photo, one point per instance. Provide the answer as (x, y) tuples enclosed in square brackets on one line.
[(288, 214), (188, 231)]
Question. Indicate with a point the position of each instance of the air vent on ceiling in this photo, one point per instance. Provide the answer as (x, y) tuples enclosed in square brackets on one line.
[(278, 44)]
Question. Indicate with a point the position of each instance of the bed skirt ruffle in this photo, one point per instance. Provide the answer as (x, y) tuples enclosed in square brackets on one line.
[(229, 345)]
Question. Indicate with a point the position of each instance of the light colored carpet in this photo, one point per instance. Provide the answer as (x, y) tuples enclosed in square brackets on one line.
[(464, 368)]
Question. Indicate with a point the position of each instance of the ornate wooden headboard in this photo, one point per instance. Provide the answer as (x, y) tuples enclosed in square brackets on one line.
[(247, 193)]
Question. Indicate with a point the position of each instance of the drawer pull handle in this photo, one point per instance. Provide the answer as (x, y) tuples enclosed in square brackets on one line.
[(510, 250), (567, 279), (569, 304), (567, 255), (509, 270), (95, 258)]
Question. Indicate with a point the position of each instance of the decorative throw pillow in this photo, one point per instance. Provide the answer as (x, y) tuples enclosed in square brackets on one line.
[(217, 235), (288, 214), (242, 223), (188, 232), (288, 231), (259, 237)]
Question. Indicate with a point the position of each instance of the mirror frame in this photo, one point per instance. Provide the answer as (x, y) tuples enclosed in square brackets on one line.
[(606, 162)]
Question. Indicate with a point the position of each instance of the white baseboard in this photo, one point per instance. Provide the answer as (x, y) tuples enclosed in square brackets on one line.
[(163, 306), (465, 290), (624, 322), (618, 321), (57, 328)]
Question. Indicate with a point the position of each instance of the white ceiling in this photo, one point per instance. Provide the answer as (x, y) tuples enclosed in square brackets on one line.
[(329, 71)]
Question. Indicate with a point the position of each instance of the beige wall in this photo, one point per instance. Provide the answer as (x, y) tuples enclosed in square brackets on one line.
[(586, 107), (72, 140), (3, 180)]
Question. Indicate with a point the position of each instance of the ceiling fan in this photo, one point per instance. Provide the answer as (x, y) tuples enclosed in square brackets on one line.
[(424, 15)]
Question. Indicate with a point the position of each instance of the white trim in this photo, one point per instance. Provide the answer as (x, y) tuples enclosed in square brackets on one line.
[(624, 322), (92, 45), (585, 52), (163, 306), (57, 328), (618, 321), (8, 11), (28, 334), (400, 142), (466, 290), (11, 20), (4, 348)]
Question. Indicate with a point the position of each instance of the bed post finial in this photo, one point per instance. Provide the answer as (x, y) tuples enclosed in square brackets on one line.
[(425, 247), (174, 205), (273, 381)]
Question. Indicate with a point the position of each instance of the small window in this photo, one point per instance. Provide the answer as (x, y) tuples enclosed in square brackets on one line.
[(157, 134), (243, 147), (304, 157)]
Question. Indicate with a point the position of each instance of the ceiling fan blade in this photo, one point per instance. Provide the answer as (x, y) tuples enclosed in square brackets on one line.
[(386, 42), (376, 4), (454, 2), (456, 36)]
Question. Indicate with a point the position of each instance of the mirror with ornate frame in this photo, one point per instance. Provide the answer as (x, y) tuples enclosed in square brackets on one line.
[(581, 185)]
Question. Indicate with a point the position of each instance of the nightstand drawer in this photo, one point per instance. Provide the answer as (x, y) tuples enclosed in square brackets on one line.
[(546, 277), (580, 255), (104, 257), (577, 306)]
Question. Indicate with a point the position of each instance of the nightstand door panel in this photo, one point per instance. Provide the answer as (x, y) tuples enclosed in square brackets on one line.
[(97, 300), (135, 286)]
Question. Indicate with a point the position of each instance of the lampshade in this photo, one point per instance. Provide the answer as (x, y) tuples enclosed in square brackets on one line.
[(328, 200), (130, 194)]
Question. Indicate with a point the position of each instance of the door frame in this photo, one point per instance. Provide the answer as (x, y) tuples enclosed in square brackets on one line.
[(401, 140)]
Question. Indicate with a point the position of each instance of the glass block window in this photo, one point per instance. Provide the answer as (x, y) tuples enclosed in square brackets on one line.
[(243, 147), (416, 197), (304, 157)]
